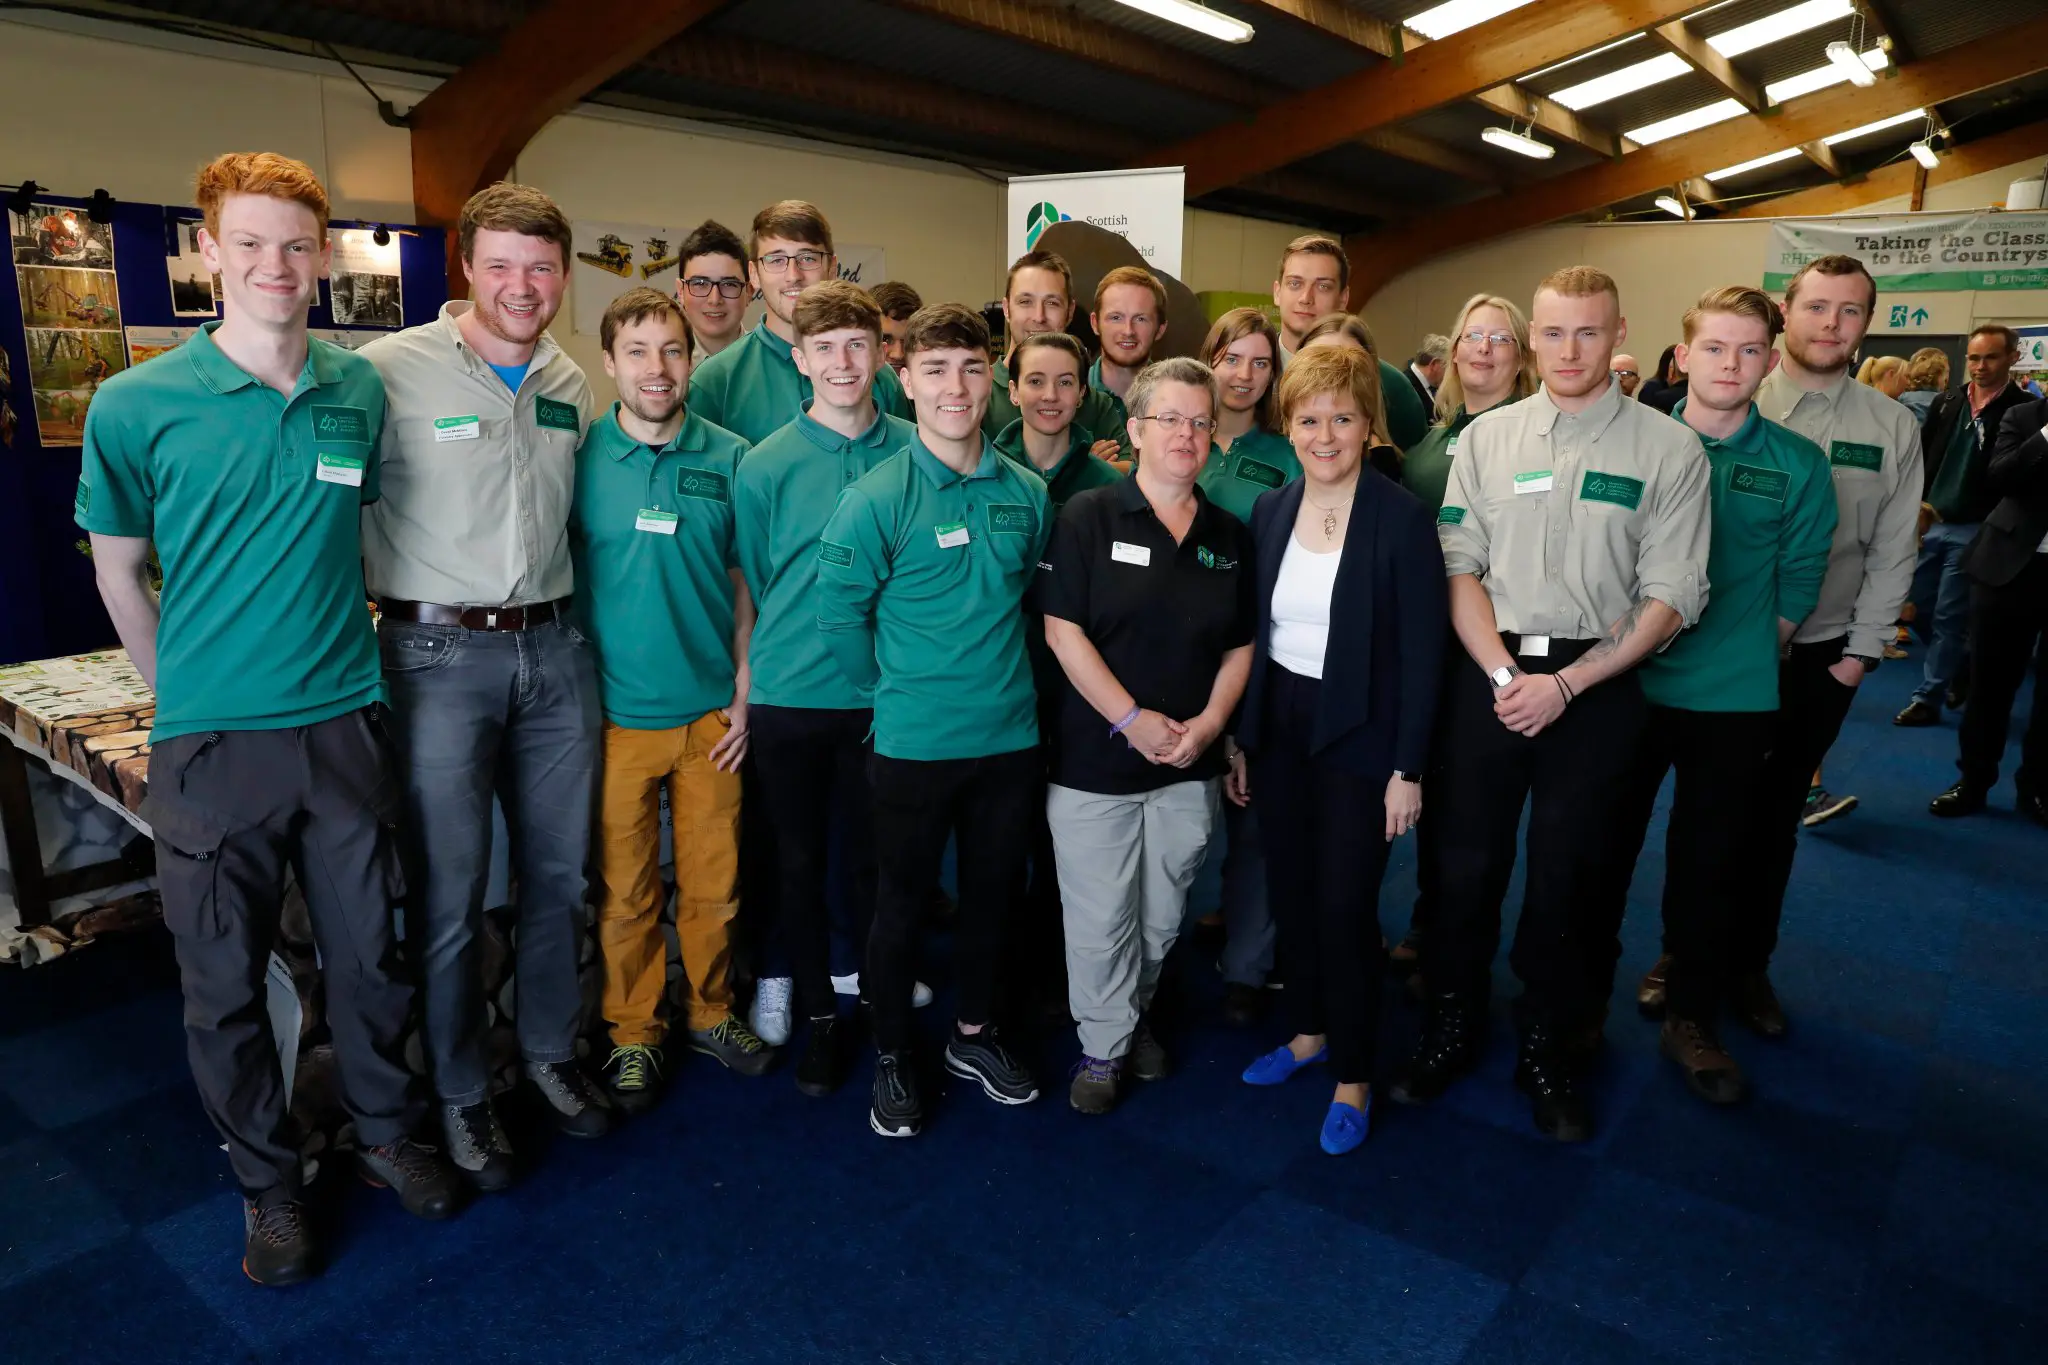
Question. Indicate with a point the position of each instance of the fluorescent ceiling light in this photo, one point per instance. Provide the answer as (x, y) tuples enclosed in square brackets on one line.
[(1910, 116), (1559, 66), (1692, 120), (1200, 18), (1728, 172), (1671, 205), (1454, 15), (1512, 141), (1821, 77), (1844, 56), (1626, 81), (1924, 153), (1774, 27)]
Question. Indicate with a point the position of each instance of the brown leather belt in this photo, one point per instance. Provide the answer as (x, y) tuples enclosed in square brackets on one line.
[(473, 618)]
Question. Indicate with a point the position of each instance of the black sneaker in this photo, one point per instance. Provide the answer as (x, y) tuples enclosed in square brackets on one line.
[(581, 1109), (981, 1057), (417, 1174), (477, 1145), (277, 1243), (895, 1111), (633, 1076), (733, 1045), (822, 1068)]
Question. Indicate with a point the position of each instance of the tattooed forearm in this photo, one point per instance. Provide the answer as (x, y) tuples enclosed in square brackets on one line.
[(1641, 629), (1617, 634)]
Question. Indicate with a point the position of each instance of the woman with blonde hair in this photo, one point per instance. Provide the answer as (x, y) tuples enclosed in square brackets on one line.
[(1885, 373), (1489, 366), (1926, 377)]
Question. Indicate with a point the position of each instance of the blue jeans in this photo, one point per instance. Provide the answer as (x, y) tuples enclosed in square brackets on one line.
[(515, 713), (1941, 606)]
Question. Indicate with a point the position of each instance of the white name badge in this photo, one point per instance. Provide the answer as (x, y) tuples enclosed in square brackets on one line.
[(458, 428), (1538, 481), (654, 519), (952, 535), (1534, 647), (1123, 553), (332, 468)]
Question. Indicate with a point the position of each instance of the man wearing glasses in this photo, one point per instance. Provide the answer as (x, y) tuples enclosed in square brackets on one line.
[(753, 387), (1627, 373), (711, 285)]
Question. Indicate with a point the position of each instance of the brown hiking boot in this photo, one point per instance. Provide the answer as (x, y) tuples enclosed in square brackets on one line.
[(1709, 1071), (1650, 993)]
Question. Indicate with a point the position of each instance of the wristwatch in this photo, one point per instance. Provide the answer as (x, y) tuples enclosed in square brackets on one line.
[(1502, 676), (1869, 664), (1400, 776)]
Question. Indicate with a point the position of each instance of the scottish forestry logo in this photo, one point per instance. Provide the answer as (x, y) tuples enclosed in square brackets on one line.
[(1038, 218)]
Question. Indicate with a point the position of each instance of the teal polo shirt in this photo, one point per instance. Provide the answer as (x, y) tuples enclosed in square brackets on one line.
[(1077, 472), (651, 536), (921, 581), (1426, 466), (1103, 413), (1001, 411), (1773, 500), (1407, 418), (255, 503), (753, 388), (1253, 463), (788, 486)]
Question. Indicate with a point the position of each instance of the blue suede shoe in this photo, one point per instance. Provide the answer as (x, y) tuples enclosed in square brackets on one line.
[(1344, 1127), (1277, 1065)]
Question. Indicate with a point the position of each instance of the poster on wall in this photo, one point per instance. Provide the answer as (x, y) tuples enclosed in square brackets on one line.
[(1921, 252), (195, 291), (8, 421), (2033, 350), (614, 257), (1144, 207), (71, 314), (363, 281), (147, 343)]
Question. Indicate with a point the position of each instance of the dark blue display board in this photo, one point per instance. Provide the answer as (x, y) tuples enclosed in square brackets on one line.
[(48, 603)]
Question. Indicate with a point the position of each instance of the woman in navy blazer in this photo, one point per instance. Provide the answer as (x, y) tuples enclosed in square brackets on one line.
[(1336, 719)]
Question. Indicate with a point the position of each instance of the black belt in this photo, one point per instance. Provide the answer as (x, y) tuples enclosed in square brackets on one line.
[(473, 618)]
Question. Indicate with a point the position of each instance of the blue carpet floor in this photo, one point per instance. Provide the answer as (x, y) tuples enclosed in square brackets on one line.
[(1884, 1197)]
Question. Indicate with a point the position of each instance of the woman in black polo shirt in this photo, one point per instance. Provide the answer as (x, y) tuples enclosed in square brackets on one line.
[(1352, 617), (1146, 589)]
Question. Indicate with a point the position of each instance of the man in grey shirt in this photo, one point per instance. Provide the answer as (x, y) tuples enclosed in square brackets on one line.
[(1574, 532), (1873, 448), (493, 692)]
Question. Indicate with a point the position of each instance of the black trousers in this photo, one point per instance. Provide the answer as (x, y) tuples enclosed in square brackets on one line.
[(1039, 956), (983, 803), (232, 810), (1721, 758), (755, 930), (1570, 777), (2006, 628), (1811, 708), (813, 774), (1325, 853)]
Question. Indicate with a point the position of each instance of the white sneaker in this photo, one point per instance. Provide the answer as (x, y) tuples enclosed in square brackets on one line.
[(770, 1015), (920, 995)]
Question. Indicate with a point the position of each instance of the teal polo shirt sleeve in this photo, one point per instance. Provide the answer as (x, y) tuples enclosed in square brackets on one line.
[(1407, 419), (853, 563), (116, 486)]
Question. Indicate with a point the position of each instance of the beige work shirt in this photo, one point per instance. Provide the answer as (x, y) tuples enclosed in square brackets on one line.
[(1569, 519), (477, 479), (1873, 448)]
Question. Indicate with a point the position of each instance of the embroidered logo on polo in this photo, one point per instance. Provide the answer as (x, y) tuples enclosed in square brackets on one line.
[(706, 484), (1011, 519), (550, 413), (1855, 455), (1209, 559), (341, 423), (1258, 472), (1450, 516), (1618, 489), (1759, 483), (831, 552), (83, 502)]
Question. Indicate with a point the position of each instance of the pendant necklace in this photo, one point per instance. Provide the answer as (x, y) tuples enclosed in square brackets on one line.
[(1330, 513)]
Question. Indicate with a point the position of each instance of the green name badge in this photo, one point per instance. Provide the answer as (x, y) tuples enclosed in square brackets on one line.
[(1618, 489), (707, 484), (1258, 472), (82, 504), (1450, 516), (341, 424), (1759, 483), (1854, 455), (333, 467), (549, 413), (830, 552), (1011, 519)]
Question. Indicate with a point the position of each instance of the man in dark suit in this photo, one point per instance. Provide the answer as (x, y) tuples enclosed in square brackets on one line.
[(1426, 369), (2008, 568)]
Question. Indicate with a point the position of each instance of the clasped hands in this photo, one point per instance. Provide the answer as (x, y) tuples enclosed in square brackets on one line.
[(1171, 743)]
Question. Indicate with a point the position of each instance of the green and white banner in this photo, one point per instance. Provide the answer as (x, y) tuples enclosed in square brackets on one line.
[(1923, 253)]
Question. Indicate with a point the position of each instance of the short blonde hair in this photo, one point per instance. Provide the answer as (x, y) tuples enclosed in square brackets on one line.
[(1450, 395), (1879, 367), (1579, 282), (265, 173), (1178, 369), (1334, 369), (1317, 244), (1132, 274), (1742, 300)]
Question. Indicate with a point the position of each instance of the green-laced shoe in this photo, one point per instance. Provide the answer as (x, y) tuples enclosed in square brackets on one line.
[(633, 1076), (733, 1045)]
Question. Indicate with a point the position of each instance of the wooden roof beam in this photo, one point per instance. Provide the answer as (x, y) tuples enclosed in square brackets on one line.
[(1676, 37), (1889, 182), (1523, 105), (1997, 59), (1823, 156)]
